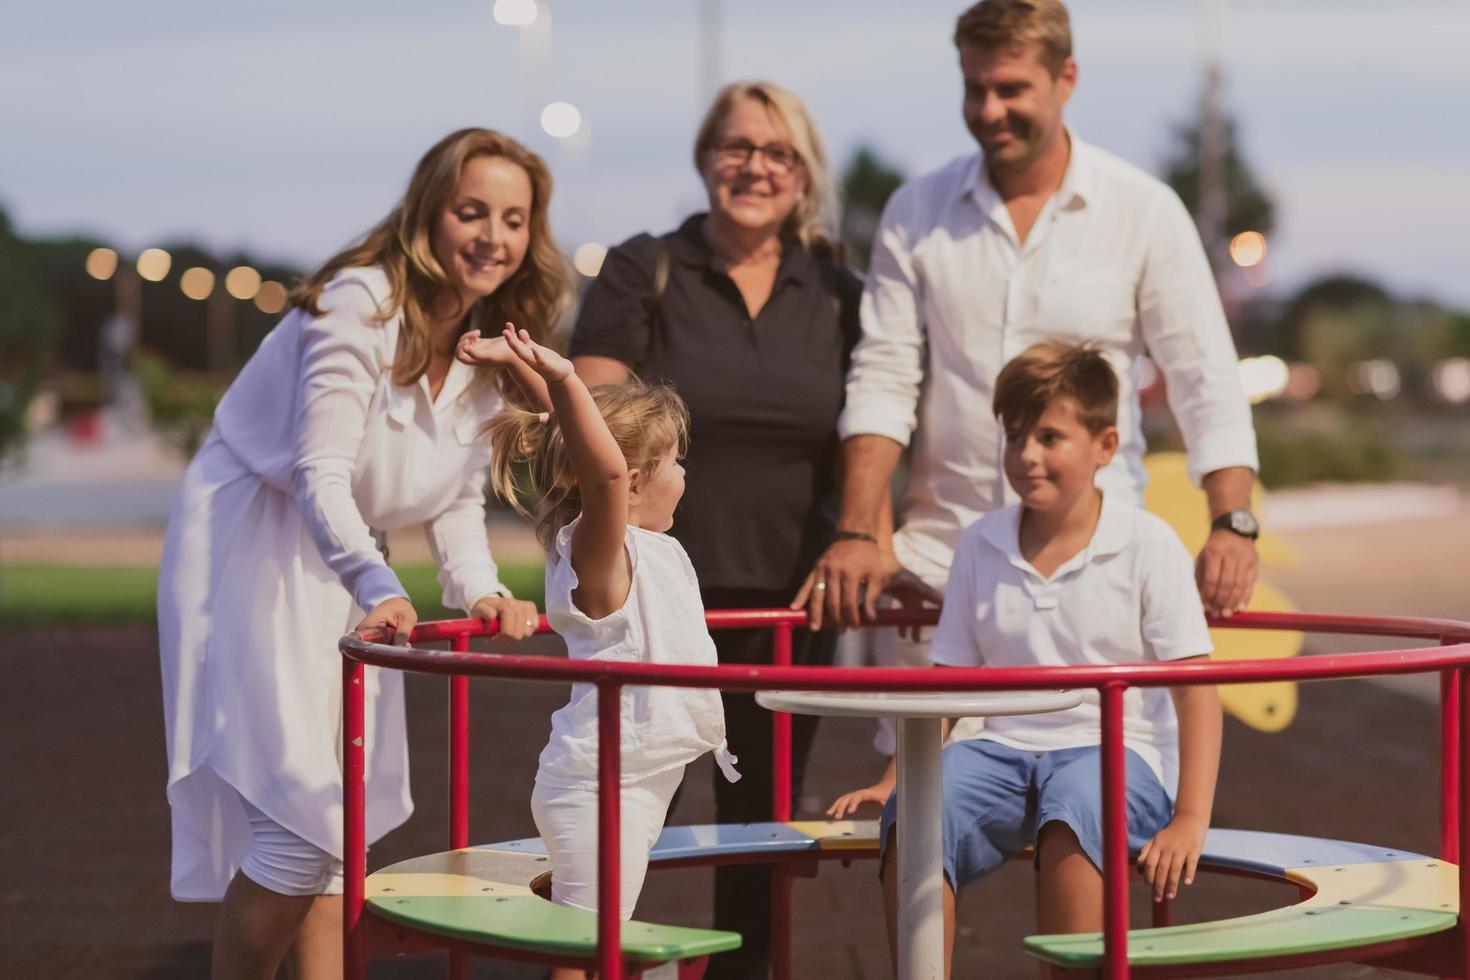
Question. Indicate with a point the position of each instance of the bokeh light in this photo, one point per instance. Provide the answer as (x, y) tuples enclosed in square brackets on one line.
[(101, 263), (561, 119), (1264, 377), (154, 263), (1248, 249), (271, 298), (1378, 377), (1303, 381), (515, 13), (197, 282), (588, 258), (1452, 380), (242, 282)]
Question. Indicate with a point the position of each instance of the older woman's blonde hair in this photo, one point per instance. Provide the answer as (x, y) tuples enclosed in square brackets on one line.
[(532, 298), (814, 219)]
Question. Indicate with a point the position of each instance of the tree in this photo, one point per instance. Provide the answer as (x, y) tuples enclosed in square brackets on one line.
[(1248, 206), (866, 184), (29, 324)]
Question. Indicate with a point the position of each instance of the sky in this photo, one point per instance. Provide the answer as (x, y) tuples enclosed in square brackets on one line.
[(287, 127)]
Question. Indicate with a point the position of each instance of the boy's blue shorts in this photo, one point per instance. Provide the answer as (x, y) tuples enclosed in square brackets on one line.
[(997, 798)]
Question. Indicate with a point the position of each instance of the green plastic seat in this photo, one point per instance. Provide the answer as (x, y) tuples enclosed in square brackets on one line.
[(1362, 896)]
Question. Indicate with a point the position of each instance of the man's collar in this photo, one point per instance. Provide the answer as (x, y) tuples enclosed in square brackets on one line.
[(1075, 189)]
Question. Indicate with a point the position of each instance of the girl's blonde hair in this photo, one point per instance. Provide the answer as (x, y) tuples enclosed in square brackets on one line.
[(814, 219), (646, 421), (532, 298)]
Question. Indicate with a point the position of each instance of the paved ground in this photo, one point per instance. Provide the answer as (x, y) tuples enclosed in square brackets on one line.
[(84, 838)]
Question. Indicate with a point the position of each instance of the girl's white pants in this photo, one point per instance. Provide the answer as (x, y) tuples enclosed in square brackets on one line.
[(567, 822)]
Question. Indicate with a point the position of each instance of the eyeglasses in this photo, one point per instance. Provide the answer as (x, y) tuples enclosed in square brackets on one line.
[(737, 153)]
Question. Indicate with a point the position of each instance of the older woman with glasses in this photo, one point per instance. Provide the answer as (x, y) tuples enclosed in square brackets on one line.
[(749, 311)]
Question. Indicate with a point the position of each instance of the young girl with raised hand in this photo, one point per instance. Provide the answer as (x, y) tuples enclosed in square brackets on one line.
[(606, 467)]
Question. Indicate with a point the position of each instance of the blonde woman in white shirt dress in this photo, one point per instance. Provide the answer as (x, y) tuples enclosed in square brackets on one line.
[(352, 417)]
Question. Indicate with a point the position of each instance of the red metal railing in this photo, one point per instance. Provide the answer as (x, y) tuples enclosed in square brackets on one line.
[(1451, 660)]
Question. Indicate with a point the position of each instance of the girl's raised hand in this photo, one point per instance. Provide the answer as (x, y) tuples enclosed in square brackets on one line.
[(474, 349), (543, 360)]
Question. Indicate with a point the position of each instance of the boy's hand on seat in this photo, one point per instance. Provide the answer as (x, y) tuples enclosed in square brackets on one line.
[(848, 803), (1173, 855)]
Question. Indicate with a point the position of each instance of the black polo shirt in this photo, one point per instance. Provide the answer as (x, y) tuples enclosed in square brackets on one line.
[(763, 394)]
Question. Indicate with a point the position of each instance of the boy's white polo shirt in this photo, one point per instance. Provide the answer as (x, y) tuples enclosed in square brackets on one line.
[(1128, 597)]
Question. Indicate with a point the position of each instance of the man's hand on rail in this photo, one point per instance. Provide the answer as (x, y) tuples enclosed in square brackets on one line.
[(1173, 855), (1225, 572), (912, 592), (843, 588), (395, 616), (517, 617)]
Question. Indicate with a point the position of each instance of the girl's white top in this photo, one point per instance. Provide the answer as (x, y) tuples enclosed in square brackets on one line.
[(661, 622), (270, 558)]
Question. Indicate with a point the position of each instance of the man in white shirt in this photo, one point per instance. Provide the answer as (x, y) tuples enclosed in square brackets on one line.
[(1039, 235)]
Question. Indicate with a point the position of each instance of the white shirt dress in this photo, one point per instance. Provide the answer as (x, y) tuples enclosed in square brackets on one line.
[(270, 558)]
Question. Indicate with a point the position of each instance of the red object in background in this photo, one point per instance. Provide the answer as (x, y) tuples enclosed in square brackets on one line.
[(85, 429)]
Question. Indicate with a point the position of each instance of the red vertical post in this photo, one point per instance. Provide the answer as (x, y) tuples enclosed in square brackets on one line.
[(781, 812), (781, 736), (1450, 766), (1463, 686), (459, 778), (1115, 836), (354, 832), (459, 753), (609, 798)]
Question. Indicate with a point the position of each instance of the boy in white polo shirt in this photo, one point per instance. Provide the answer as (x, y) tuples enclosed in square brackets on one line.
[(1068, 577)]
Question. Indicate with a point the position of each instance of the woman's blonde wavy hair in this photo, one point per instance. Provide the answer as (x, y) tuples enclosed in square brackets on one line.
[(533, 298), (646, 421), (814, 220)]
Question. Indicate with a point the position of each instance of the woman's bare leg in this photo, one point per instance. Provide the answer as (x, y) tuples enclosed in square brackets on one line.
[(317, 952), (255, 928)]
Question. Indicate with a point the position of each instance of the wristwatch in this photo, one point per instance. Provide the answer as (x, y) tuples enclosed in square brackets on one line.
[(1241, 522)]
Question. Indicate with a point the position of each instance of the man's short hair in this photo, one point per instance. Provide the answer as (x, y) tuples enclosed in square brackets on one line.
[(1053, 369), (992, 24)]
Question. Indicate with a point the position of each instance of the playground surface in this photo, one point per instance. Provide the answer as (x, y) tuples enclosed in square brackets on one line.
[(84, 843)]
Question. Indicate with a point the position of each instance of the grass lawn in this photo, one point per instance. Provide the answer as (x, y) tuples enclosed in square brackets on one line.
[(35, 596)]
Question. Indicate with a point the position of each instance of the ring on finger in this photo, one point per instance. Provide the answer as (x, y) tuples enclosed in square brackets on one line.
[(821, 586), (530, 622)]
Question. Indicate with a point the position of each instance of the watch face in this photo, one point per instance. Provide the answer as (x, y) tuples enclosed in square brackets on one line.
[(1244, 522)]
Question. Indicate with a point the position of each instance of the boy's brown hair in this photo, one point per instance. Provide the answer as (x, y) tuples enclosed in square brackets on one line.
[(992, 24), (1053, 369)]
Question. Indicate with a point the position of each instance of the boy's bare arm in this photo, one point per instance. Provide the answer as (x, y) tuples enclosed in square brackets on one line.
[(1173, 854), (1200, 723)]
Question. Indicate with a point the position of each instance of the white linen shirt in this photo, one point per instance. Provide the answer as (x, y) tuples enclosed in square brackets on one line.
[(356, 451), (1129, 597), (951, 297)]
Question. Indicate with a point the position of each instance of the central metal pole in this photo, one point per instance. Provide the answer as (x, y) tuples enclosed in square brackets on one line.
[(920, 853)]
